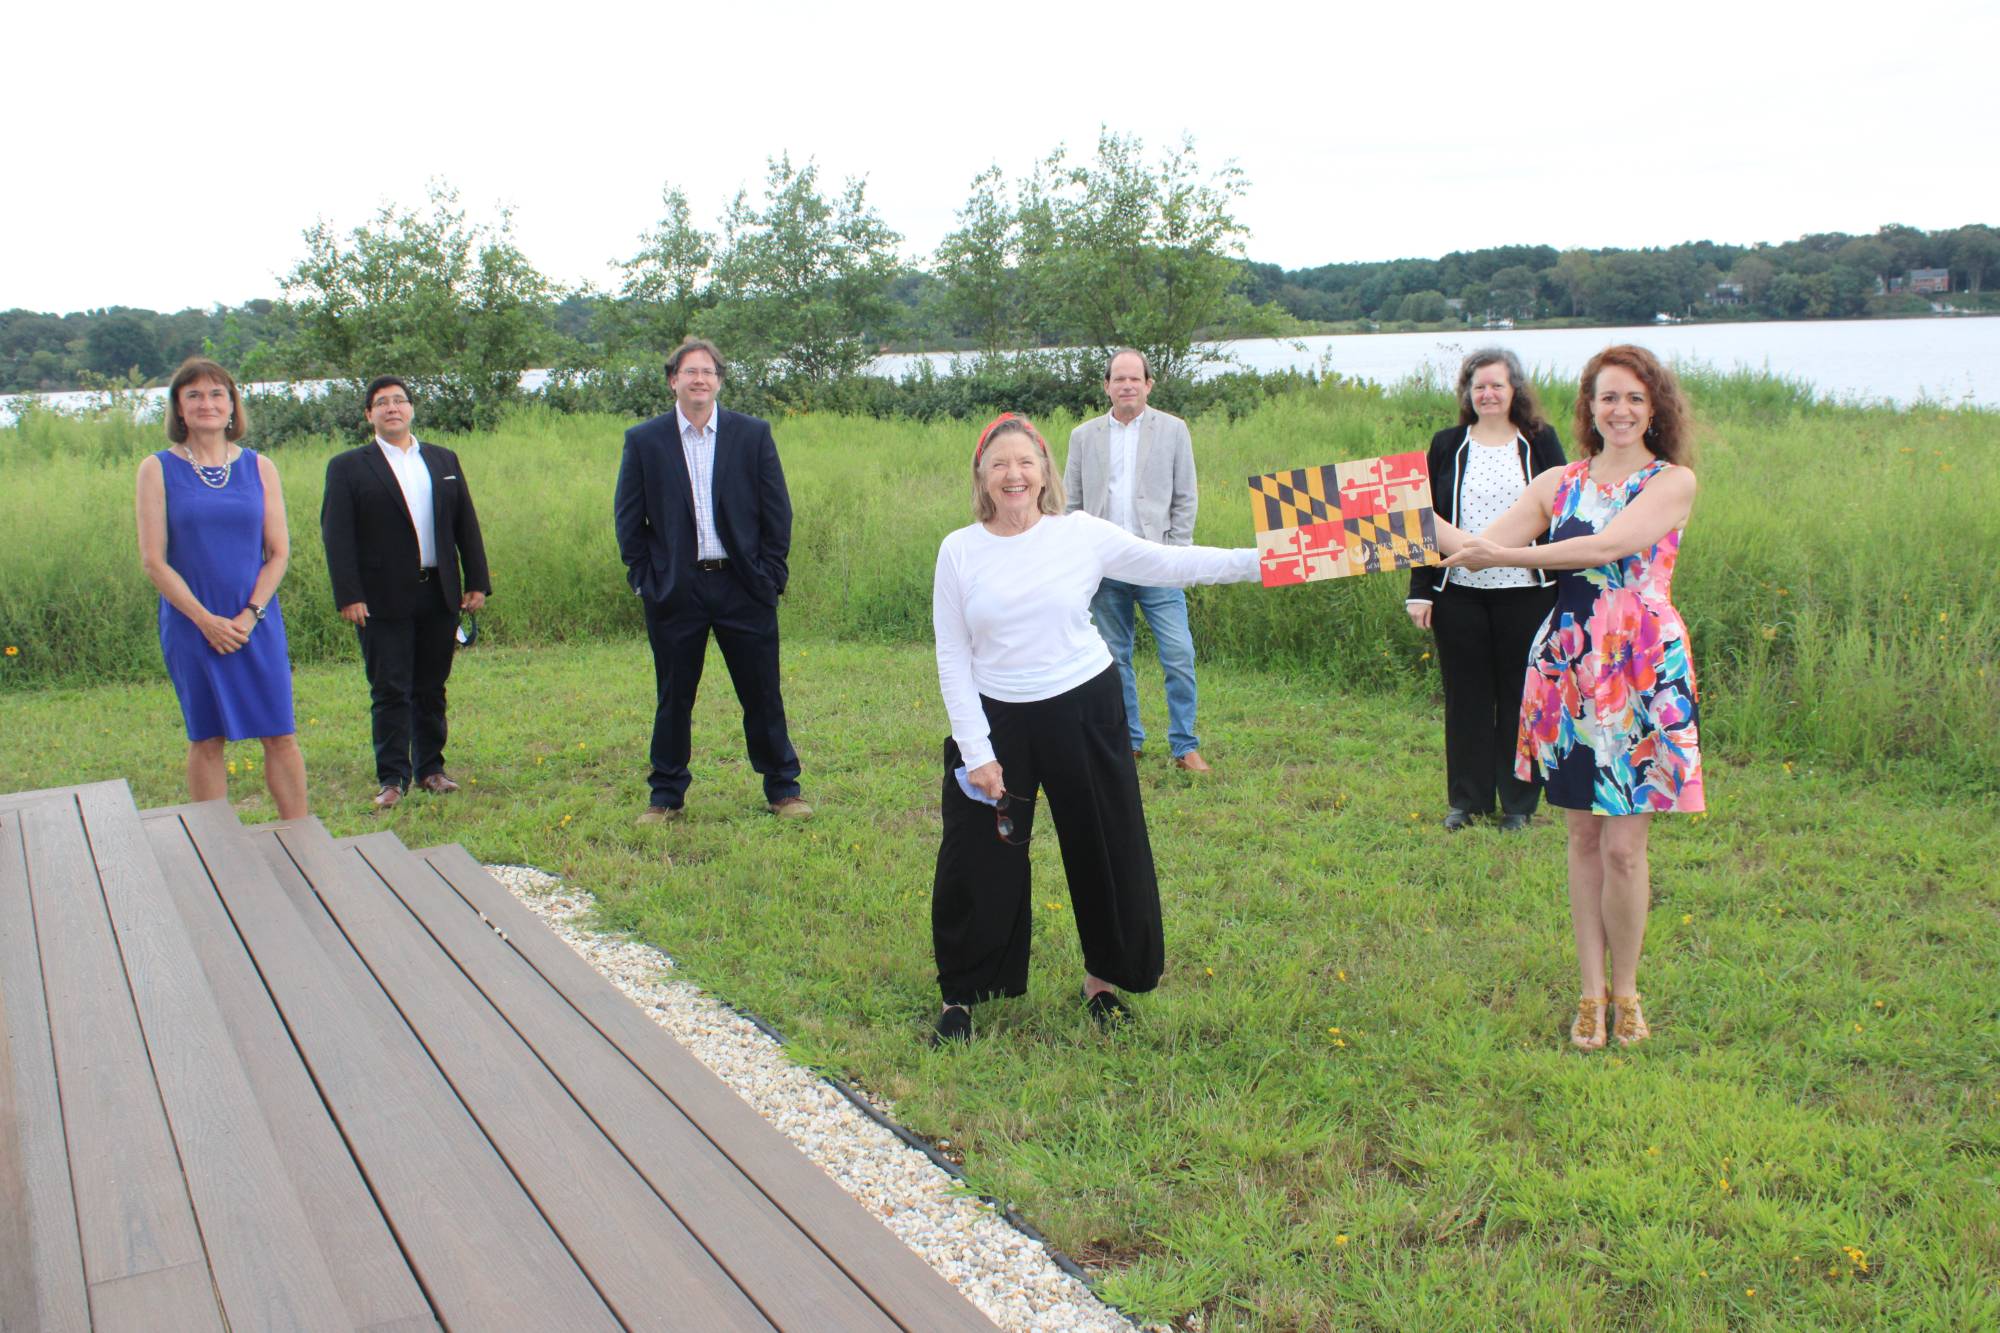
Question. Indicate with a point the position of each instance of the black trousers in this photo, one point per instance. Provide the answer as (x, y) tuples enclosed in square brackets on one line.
[(747, 632), (408, 659), (1483, 637), (1075, 750)]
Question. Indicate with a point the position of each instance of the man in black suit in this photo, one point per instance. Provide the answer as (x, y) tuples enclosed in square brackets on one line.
[(704, 526), (399, 528)]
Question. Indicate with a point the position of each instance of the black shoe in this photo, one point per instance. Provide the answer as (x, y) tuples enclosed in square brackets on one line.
[(1457, 820), (953, 1025), (1514, 823), (1106, 1009)]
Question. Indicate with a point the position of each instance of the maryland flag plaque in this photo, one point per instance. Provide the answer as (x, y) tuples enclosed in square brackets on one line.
[(1350, 518)]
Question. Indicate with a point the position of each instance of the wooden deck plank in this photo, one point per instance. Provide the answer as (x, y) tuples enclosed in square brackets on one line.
[(912, 1293), (267, 1266), (198, 847), (149, 1302), (132, 1208), (789, 1278), (649, 1269), (41, 1260), (484, 1254)]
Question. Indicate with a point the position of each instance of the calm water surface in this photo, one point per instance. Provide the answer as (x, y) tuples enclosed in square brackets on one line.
[(1952, 361)]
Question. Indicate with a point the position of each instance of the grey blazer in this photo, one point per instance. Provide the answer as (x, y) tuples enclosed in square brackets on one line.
[(1166, 499)]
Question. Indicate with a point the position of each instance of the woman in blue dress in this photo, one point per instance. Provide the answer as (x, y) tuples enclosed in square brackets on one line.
[(212, 538)]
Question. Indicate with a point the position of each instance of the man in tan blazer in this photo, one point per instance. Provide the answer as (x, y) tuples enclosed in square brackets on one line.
[(1135, 467)]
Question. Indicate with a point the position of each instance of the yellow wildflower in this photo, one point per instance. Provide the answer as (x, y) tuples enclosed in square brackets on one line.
[(1687, 918), (1340, 1238), (1209, 971), (13, 651), (1340, 976)]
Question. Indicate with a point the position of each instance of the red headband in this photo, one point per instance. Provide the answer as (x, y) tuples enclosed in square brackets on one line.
[(1001, 420)]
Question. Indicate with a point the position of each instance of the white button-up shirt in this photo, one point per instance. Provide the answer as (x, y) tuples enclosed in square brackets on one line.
[(698, 447), (1121, 477), (414, 477)]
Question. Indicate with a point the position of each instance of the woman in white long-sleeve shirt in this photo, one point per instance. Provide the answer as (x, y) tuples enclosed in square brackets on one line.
[(1036, 707)]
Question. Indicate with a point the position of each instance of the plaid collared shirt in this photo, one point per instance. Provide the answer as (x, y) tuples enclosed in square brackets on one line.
[(698, 446)]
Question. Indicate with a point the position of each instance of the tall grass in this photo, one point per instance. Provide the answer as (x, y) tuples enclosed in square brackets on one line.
[(1837, 576)]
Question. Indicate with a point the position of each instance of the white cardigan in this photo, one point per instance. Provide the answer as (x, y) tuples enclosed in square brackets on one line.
[(1012, 614)]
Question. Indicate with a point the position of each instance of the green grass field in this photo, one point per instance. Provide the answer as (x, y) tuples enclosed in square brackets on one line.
[(1824, 631), (1350, 1103)]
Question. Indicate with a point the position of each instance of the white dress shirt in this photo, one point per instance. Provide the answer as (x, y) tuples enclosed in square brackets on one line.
[(414, 477), (698, 447), (1012, 614), (1121, 472)]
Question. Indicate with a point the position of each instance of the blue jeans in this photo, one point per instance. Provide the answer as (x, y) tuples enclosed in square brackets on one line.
[(1166, 616)]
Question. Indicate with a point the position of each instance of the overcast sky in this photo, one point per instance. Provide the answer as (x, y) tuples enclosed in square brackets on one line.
[(167, 157)]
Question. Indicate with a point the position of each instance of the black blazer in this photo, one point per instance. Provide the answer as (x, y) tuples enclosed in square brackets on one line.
[(653, 508), (1446, 454), (371, 545)]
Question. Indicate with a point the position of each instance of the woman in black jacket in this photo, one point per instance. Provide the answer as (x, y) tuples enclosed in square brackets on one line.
[(1485, 621)]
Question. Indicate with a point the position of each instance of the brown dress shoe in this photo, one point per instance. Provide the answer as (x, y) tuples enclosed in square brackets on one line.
[(1192, 762), (660, 814), (437, 784), (386, 798), (792, 807)]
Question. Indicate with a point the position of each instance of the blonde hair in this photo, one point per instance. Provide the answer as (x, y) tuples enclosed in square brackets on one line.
[(1009, 423)]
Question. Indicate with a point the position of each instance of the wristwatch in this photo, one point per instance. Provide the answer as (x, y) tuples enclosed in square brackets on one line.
[(257, 611)]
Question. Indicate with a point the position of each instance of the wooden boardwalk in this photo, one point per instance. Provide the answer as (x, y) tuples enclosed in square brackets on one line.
[(263, 1079)]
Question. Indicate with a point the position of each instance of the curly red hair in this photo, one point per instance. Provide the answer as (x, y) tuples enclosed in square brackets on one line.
[(1671, 433)]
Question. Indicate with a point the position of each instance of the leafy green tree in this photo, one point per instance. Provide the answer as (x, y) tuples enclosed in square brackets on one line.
[(1125, 252), (977, 266), (1754, 272), (664, 283), (454, 307), (120, 342), (801, 283), (1423, 307), (1573, 274), (1975, 252), (1511, 292)]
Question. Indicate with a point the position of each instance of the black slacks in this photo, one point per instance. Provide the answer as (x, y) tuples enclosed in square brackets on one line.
[(1483, 637), (1075, 750), (408, 660), (747, 632)]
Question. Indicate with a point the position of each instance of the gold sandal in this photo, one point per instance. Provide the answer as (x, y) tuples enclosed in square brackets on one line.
[(1587, 1033), (1631, 1027)]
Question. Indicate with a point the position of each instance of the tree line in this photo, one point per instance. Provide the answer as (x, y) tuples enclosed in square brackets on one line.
[(803, 282), (1829, 275)]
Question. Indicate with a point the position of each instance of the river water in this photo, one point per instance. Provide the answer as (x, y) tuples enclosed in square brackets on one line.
[(1949, 361)]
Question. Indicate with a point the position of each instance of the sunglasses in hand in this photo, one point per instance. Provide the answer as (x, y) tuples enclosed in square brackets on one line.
[(1003, 822)]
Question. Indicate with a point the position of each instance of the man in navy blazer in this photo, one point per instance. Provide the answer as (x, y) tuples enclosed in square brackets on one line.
[(704, 526), (405, 554)]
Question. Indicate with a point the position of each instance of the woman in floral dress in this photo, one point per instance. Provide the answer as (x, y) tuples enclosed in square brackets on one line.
[(1608, 714)]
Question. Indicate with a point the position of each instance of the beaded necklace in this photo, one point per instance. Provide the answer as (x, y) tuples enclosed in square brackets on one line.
[(216, 477)]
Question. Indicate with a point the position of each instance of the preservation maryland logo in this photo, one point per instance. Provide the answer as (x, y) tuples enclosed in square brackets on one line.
[(1363, 517)]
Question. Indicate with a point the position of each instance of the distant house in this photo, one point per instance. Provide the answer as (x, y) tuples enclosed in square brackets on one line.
[(1930, 281), (1726, 293)]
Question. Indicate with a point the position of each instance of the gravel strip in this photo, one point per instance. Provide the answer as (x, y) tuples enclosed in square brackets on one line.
[(1011, 1278)]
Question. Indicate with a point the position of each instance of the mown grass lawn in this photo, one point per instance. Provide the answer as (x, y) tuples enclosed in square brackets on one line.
[(1350, 1102)]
